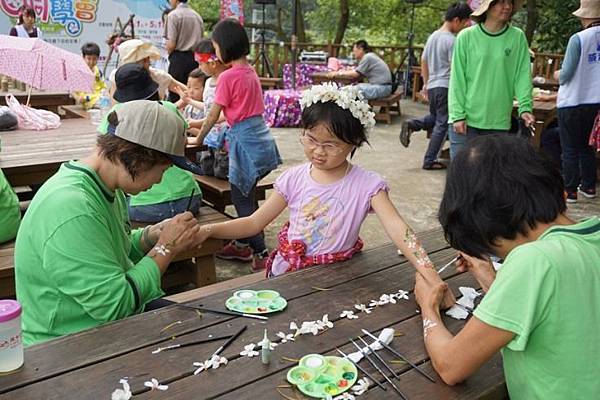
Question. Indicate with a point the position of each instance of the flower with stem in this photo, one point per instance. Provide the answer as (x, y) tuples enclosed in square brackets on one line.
[(285, 337), (363, 308), (153, 384), (348, 314), (249, 351)]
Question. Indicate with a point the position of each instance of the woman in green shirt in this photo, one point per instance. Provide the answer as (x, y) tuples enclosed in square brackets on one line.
[(10, 213), (541, 308), (490, 68), (78, 263)]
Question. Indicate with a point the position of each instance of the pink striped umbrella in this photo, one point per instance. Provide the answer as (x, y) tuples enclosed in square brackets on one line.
[(43, 65)]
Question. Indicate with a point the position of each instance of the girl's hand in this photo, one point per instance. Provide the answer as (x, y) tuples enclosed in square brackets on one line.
[(429, 295), (482, 270)]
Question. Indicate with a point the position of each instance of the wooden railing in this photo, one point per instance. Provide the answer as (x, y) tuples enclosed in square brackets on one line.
[(546, 64), (279, 53)]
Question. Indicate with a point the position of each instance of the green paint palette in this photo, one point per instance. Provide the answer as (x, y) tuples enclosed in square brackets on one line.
[(320, 377), (256, 301)]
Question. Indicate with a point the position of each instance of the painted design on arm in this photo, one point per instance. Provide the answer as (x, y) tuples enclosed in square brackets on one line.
[(427, 326), (417, 250)]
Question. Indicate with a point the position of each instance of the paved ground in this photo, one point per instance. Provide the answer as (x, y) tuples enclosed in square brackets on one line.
[(415, 192)]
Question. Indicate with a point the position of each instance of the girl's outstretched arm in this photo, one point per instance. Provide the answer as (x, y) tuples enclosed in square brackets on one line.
[(240, 228), (406, 240), (210, 120)]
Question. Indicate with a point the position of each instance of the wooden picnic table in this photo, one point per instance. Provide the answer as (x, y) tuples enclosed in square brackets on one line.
[(49, 100), (89, 364), (31, 157), (322, 77)]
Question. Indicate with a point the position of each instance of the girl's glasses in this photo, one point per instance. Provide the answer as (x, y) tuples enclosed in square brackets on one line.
[(329, 148)]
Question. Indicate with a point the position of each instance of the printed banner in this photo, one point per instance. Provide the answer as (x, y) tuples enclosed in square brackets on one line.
[(71, 23), (233, 8)]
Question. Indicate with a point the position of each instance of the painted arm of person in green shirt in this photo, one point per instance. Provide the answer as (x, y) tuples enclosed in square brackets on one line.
[(457, 357), (80, 259)]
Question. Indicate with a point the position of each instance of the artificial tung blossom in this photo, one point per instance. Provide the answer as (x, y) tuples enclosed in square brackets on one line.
[(386, 299), (309, 327), (249, 350), (122, 394), (363, 308), (374, 303), (214, 362), (402, 294), (285, 337), (348, 314), (362, 385), (324, 323), (153, 384), (344, 396), (347, 97)]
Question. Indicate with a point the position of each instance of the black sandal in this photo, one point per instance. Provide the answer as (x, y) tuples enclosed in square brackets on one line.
[(436, 165)]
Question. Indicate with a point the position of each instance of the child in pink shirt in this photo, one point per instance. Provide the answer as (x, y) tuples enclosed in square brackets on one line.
[(252, 149), (328, 198)]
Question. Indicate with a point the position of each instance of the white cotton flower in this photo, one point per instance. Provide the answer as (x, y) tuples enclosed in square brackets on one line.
[(363, 308), (362, 385), (285, 337), (249, 351), (348, 314), (153, 384), (122, 394)]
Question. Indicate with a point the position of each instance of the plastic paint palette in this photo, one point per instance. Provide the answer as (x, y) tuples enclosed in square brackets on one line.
[(256, 301), (320, 377)]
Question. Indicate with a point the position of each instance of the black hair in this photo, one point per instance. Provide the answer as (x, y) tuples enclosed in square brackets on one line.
[(482, 18), (338, 120), (206, 46), (134, 157), (26, 11), (90, 49), (198, 74), (460, 10), (232, 39), (497, 187), (362, 44)]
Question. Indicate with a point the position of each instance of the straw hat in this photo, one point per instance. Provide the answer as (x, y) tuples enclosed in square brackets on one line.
[(588, 9), (485, 5), (135, 50)]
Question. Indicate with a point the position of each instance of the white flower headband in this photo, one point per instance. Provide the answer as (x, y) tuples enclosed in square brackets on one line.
[(347, 97)]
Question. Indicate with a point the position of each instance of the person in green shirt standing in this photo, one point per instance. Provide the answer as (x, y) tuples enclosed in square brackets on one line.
[(542, 307), (490, 68), (10, 212), (78, 263)]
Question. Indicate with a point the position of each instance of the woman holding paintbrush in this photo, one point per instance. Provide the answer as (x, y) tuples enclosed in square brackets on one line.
[(541, 308)]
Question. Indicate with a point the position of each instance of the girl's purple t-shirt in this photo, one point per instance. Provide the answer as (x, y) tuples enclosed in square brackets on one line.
[(327, 218)]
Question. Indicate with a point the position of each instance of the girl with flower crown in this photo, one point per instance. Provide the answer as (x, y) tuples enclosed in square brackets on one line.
[(328, 198)]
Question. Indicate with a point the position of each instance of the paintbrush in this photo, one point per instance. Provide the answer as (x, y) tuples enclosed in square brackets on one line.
[(380, 359), (455, 259), (186, 344), (361, 369), (394, 352), (189, 204), (368, 357), (229, 341), (224, 312)]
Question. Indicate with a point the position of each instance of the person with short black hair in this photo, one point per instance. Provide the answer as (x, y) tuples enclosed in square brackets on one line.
[(78, 263), (435, 69), (183, 30), (371, 67), (90, 52), (505, 198), (26, 24), (253, 152)]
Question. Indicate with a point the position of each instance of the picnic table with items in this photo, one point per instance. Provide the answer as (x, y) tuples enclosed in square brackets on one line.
[(322, 307)]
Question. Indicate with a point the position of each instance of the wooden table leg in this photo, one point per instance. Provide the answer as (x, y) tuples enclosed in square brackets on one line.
[(206, 272)]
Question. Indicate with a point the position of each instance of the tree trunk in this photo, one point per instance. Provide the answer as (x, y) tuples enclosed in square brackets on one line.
[(300, 31), (342, 22), (532, 18)]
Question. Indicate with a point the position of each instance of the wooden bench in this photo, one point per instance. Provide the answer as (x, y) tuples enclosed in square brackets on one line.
[(387, 106), (200, 271), (217, 192), (271, 83)]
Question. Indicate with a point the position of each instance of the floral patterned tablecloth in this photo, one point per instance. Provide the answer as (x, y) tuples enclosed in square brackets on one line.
[(303, 74), (282, 107)]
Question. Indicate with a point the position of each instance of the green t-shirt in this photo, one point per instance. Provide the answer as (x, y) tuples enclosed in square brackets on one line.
[(176, 183), (77, 262), (488, 72), (548, 294), (10, 213)]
